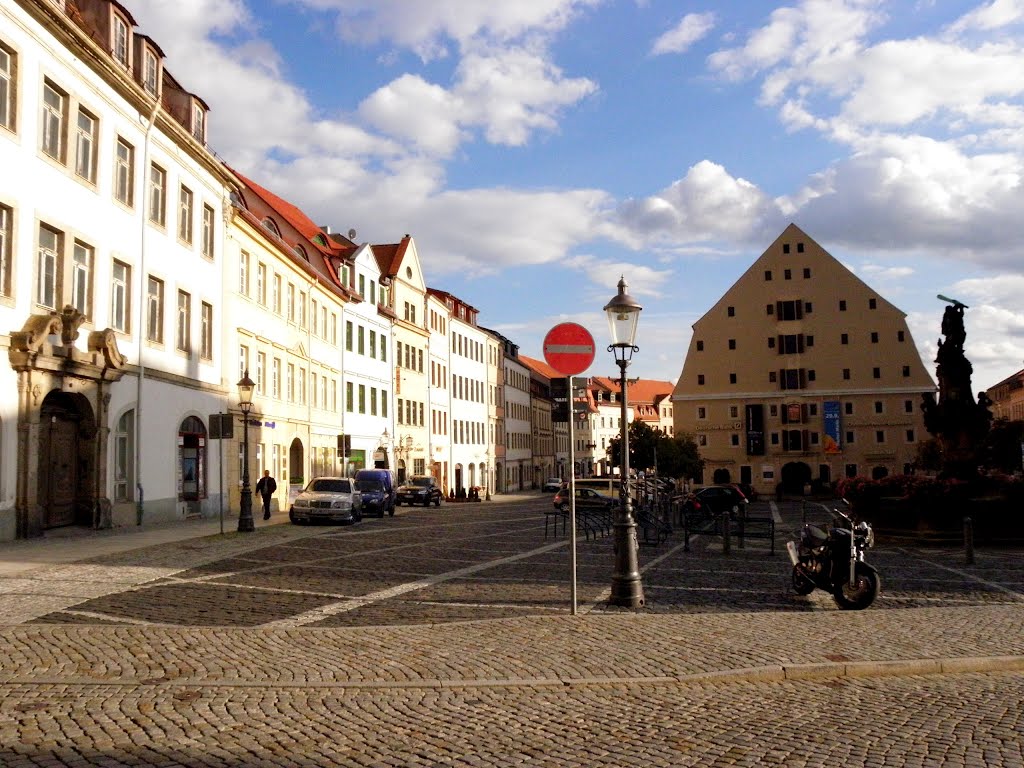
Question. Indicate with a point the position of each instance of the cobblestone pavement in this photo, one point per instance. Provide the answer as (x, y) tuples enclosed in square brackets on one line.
[(444, 637)]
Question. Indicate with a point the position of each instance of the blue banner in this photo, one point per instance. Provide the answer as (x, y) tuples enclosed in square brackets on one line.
[(832, 443)]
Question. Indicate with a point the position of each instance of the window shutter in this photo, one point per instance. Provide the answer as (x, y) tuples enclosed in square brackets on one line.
[(780, 340), (800, 343), (778, 309), (803, 379), (799, 309)]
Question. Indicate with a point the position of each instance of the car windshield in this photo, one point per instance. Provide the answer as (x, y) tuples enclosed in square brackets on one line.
[(369, 485), (330, 485), (423, 482)]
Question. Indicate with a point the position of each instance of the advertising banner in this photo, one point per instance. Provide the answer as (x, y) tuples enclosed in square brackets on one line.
[(832, 443)]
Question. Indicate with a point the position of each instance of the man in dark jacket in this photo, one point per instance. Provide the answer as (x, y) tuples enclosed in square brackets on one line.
[(265, 488)]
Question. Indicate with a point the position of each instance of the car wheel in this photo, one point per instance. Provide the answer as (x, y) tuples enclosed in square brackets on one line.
[(357, 516), (437, 501)]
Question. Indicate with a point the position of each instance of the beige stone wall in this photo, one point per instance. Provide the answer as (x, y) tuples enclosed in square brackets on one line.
[(796, 331)]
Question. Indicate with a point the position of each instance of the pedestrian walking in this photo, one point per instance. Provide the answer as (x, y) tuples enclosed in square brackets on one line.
[(266, 488)]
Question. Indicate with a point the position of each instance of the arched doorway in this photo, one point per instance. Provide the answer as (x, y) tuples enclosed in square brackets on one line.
[(67, 484), (296, 462), (192, 463), (795, 476), (721, 476), (877, 473), (459, 488)]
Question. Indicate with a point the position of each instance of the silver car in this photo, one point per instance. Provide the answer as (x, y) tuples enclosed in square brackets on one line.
[(327, 498)]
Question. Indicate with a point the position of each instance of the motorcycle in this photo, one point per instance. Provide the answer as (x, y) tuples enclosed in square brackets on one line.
[(833, 560)]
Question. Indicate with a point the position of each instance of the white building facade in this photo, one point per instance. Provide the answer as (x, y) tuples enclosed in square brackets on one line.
[(111, 245)]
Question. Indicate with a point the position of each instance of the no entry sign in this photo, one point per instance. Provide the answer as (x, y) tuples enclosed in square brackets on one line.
[(569, 348)]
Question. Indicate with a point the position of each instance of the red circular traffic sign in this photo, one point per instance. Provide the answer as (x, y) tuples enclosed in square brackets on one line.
[(569, 348)]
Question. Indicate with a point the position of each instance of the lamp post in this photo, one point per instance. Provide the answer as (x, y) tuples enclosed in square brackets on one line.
[(385, 441), (627, 590), (245, 388)]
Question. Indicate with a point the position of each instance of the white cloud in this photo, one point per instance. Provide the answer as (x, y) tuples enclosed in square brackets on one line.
[(707, 204), (427, 28), (415, 111), (993, 15), (692, 27)]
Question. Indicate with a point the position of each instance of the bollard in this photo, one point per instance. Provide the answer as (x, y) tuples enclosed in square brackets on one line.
[(969, 541), (726, 544)]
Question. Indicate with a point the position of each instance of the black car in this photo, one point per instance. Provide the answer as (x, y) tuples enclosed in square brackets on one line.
[(419, 490), (719, 499)]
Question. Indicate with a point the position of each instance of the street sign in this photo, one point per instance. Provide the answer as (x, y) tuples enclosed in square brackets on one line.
[(569, 348)]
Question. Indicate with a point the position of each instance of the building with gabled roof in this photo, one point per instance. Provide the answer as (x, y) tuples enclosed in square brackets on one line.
[(801, 373), (543, 448)]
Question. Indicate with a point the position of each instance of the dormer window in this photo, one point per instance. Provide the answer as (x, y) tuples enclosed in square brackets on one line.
[(119, 43), (198, 122), (320, 240), (151, 73), (301, 252), (271, 225)]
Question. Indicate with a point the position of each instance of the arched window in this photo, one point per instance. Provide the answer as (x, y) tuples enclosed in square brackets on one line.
[(124, 457), (192, 459), (301, 252), (320, 240), (271, 225)]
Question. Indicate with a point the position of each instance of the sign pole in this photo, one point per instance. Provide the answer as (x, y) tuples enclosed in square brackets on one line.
[(221, 478), (572, 494), (569, 349)]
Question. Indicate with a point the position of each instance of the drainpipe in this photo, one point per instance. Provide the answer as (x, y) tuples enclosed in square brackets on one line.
[(140, 493)]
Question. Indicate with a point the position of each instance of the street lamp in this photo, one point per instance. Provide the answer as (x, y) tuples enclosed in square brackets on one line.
[(245, 388), (627, 590)]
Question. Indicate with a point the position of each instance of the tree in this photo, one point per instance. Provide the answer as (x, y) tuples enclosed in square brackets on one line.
[(1002, 449), (674, 456)]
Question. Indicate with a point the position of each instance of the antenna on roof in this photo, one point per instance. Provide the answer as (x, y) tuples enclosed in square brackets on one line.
[(352, 235)]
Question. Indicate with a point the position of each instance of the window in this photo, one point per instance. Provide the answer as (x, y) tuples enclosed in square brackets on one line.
[(732, 343), (313, 307), (6, 222), (787, 274), (243, 361), (7, 88), (846, 374), (906, 371), (807, 273), (731, 311), (878, 406), (844, 338), (700, 379), (290, 303), (289, 383), (908, 406), (243, 273), (770, 309), (876, 373), (275, 378), (799, 247), (350, 400), (261, 283), (275, 294), (790, 310), (150, 73), (120, 303), (261, 373), (767, 275), (302, 309), (198, 122), (185, 214), (47, 275), (872, 304), (910, 435), (362, 286), (791, 344), (785, 247), (848, 409), (700, 346), (361, 340), (85, 146), (157, 194), (183, 336), (155, 305), (124, 457), (209, 232), (206, 332), (348, 335), (702, 412), (900, 336), (119, 47), (874, 337), (732, 378), (842, 305), (879, 435), (124, 172), (54, 118), (81, 278)]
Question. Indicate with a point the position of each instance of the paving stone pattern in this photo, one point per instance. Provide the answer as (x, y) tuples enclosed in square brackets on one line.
[(444, 637)]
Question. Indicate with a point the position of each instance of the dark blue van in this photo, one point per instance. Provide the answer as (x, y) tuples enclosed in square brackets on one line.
[(377, 488)]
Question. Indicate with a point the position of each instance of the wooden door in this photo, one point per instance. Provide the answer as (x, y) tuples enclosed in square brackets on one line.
[(61, 482)]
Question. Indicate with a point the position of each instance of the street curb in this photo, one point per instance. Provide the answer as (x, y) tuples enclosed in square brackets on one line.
[(774, 673)]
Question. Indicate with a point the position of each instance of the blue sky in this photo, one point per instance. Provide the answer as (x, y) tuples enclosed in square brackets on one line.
[(537, 150)]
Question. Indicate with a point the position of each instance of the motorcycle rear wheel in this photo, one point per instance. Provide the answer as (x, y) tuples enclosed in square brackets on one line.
[(862, 592)]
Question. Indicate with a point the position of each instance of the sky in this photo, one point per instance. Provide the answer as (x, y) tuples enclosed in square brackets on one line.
[(538, 150)]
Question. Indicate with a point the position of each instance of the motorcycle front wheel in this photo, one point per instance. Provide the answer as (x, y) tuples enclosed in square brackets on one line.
[(802, 585), (862, 592)]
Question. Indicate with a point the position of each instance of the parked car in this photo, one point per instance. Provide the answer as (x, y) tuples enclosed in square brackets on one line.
[(719, 499), (587, 499), (327, 498), (747, 490), (377, 487), (419, 490), (552, 484)]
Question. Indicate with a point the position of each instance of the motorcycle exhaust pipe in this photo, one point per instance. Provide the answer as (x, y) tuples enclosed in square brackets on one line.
[(791, 548)]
